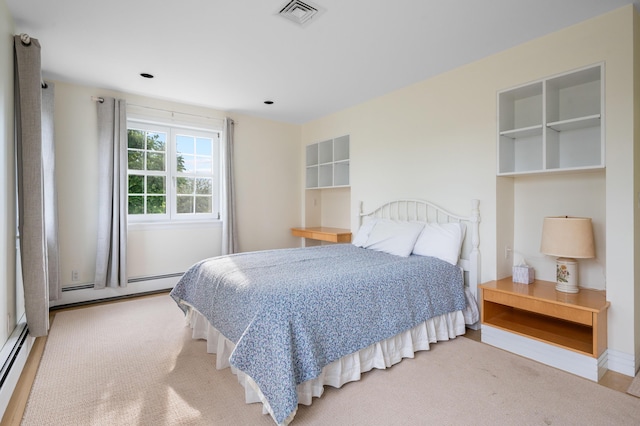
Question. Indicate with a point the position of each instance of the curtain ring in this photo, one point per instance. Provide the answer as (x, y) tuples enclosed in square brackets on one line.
[(26, 40)]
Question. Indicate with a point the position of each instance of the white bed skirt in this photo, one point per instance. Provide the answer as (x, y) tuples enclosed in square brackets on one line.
[(346, 369)]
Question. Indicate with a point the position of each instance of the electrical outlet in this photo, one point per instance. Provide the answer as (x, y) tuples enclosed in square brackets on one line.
[(507, 252), (74, 275)]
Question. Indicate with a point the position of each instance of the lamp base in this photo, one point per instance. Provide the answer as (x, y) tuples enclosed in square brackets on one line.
[(567, 275)]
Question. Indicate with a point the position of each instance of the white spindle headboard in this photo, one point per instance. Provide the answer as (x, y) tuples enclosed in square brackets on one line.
[(425, 211)]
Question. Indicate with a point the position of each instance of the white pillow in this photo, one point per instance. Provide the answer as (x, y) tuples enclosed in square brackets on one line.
[(363, 233), (441, 240), (394, 237)]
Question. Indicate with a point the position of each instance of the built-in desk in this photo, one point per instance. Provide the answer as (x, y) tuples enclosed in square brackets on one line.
[(323, 233)]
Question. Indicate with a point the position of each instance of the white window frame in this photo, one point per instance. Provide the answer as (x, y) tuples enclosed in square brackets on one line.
[(172, 130)]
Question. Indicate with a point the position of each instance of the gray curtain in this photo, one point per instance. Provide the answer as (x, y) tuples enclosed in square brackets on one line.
[(111, 255), (31, 178), (228, 202), (50, 192)]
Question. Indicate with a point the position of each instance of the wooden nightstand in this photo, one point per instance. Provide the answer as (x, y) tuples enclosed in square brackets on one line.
[(323, 233), (566, 331)]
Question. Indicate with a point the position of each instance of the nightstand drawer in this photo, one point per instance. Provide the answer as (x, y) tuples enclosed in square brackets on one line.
[(540, 307)]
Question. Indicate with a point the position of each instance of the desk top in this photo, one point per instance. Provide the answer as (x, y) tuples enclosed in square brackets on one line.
[(323, 233)]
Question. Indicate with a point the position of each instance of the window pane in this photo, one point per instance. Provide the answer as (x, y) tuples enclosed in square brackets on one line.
[(136, 205), (185, 185), (203, 146), (155, 185), (185, 204), (156, 205), (204, 186), (136, 160), (185, 144), (156, 141), (155, 161), (203, 165), (136, 184), (203, 204), (135, 139), (188, 164), (180, 167)]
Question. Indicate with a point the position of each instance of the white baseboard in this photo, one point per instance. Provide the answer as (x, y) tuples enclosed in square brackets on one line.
[(573, 362), (622, 363), (15, 353)]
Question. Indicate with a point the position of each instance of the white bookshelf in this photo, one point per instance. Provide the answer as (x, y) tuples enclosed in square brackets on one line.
[(555, 124), (327, 163)]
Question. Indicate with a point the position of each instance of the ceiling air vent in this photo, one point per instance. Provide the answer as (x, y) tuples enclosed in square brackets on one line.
[(299, 12)]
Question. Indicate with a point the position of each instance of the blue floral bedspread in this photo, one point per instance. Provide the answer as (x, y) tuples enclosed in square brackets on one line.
[(291, 312)]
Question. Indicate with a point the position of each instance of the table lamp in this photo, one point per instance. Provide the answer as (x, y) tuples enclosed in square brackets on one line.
[(568, 238)]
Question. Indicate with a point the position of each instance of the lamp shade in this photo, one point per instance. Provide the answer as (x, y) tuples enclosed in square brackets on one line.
[(567, 236)]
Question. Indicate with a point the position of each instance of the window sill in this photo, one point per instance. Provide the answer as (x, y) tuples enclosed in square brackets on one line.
[(142, 226)]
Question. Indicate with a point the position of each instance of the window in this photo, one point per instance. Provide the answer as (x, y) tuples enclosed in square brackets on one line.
[(173, 172)]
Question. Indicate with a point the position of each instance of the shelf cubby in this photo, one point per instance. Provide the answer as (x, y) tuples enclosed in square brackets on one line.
[(327, 163), (553, 124)]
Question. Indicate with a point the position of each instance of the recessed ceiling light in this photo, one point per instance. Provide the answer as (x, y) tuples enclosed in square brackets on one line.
[(268, 102), (146, 75)]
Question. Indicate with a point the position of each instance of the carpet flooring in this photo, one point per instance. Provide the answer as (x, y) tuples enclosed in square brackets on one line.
[(134, 363)]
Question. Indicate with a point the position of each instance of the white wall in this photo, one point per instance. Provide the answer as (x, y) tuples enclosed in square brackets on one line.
[(76, 151), (436, 140), (156, 250), (582, 195), (267, 183), (319, 207), (613, 37), (267, 177), (7, 180)]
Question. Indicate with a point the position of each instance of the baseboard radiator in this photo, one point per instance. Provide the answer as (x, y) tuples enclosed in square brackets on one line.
[(85, 294), (14, 357), (129, 281)]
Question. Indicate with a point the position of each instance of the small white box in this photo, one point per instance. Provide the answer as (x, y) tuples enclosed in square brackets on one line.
[(523, 274)]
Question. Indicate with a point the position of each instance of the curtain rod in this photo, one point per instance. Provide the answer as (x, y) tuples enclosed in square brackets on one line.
[(101, 100), (176, 112)]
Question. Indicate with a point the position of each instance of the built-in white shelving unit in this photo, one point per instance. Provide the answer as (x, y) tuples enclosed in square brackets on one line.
[(327, 163), (554, 124)]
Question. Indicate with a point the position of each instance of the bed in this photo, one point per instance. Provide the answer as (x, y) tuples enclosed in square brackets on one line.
[(290, 321)]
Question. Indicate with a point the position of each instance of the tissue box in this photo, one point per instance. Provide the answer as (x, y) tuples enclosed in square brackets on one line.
[(523, 274)]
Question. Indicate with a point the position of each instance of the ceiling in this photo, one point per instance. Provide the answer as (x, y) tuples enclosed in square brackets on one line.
[(234, 55)]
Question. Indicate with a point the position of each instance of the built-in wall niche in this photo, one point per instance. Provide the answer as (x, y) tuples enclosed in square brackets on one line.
[(554, 124), (327, 163)]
